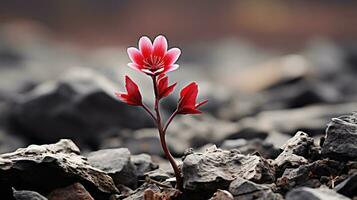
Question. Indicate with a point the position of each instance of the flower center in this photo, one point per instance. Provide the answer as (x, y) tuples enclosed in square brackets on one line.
[(153, 63)]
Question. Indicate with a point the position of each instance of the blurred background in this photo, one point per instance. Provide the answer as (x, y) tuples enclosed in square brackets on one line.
[(268, 69)]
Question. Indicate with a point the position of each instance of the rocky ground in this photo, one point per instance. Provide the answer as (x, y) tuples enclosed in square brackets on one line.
[(283, 129)]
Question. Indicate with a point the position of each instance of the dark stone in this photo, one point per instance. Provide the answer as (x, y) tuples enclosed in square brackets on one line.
[(75, 191), (314, 194), (341, 138), (143, 163), (37, 166), (117, 164), (27, 195), (243, 189), (80, 105), (310, 175), (216, 169), (348, 187)]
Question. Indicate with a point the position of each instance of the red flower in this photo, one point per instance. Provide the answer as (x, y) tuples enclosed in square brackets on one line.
[(153, 59), (163, 86), (187, 103), (133, 96)]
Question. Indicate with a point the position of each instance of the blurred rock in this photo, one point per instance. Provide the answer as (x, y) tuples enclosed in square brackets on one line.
[(222, 195), (81, 105), (143, 163), (117, 164), (246, 190), (75, 191), (11, 142), (348, 187), (195, 131), (28, 195), (60, 161), (341, 138), (310, 119), (216, 169), (158, 175), (246, 147), (314, 194)]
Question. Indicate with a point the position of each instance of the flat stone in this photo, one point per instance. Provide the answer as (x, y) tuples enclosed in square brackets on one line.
[(217, 168), (75, 191), (28, 195), (243, 189), (341, 138), (117, 164), (37, 166), (314, 194)]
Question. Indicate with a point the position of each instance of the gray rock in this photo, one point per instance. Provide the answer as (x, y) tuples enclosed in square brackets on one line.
[(341, 138), (243, 189), (295, 151), (216, 169), (143, 163), (314, 194), (117, 164), (158, 175), (28, 195), (80, 105), (37, 166), (348, 187), (264, 149), (222, 195)]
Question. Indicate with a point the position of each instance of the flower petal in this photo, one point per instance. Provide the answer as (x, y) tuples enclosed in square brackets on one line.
[(171, 56), (133, 91), (201, 103), (171, 68), (146, 71), (135, 56), (159, 46), (145, 46), (168, 90), (134, 66)]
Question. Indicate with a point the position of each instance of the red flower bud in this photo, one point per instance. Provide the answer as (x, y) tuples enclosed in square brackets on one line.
[(187, 103), (163, 86), (133, 96)]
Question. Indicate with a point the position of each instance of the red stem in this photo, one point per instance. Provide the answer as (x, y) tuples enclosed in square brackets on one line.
[(165, 148)]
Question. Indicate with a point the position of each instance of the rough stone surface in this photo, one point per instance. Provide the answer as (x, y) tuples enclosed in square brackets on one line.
[(37, 166), (314, 194), (222, 195), (295, 151), (348, 187), (243, 189), (117, 164), (80, 105), (75, 191), (341, 138), (310, 175), (143, 163), (216, 168), (28, 195)]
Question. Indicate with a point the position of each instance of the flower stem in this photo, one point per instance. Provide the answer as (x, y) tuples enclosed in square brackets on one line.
[(165, 148)]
